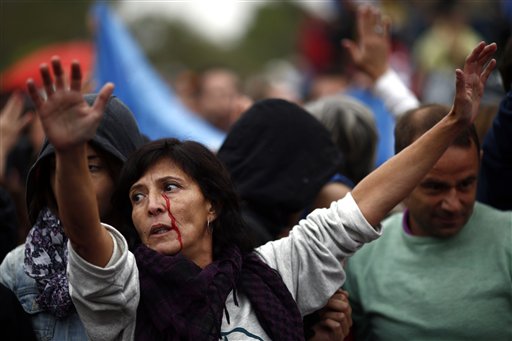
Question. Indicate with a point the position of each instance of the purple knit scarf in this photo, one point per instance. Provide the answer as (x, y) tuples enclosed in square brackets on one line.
[(181, 301)]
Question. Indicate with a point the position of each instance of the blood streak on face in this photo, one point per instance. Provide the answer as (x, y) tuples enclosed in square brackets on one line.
[(173, 220)]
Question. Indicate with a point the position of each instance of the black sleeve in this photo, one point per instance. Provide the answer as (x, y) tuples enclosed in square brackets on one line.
[(14, 321), (8, 223)]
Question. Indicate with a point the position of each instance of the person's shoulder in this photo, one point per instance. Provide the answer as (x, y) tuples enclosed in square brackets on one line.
[(12, 271), (491, 226), (486, 212), (391, 228), (497, 223), (15, 256), (392, 223)]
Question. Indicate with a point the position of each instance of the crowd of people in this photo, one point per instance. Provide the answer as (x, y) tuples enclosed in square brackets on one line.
[(302, 225)]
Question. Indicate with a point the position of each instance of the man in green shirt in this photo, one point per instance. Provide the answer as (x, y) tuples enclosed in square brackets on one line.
[(442, 269)]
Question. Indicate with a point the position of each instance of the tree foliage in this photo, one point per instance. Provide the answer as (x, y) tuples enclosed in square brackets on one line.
[(170, 45), (273, 34), (27, 25)]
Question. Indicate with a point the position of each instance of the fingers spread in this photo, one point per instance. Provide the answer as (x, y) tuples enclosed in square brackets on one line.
[(26, 119), (473, 56), (103, 96), (58, 73), (47, 79), (386, 22), (459, 79), (487, 52), (362, 15), (76, 76), (34, 93), (487, 71), (352, 48), (13, 107), (371, 22)]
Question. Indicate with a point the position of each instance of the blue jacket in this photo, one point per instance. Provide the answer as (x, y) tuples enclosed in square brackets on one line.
[(46, 326)]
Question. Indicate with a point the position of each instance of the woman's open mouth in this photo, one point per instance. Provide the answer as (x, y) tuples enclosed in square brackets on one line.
[(159, 229)]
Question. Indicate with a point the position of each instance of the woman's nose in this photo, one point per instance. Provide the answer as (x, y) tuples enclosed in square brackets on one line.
[(156, 204)]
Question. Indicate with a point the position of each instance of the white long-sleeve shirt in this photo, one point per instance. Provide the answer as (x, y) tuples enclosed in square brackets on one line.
[(397, 97), (309, 261)]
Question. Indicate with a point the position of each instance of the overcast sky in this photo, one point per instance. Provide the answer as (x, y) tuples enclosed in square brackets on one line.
[(218, 20)]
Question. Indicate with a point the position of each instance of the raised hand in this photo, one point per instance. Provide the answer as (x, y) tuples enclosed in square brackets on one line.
[(12, 122), (371, 52), (67, 118), (470, 82)]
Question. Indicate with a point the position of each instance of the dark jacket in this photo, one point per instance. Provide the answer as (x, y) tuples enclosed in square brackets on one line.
[(495, 178)]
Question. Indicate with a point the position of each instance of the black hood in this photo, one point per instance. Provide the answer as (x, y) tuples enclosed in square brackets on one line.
[(279, 156), (118, 135)]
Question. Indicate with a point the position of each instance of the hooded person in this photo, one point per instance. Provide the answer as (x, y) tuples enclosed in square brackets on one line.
[(279, 157), (36, 271)]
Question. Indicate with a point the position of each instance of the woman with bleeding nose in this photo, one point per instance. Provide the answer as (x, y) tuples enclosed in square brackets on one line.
[(164, 196), (36, 270), (193, 277)]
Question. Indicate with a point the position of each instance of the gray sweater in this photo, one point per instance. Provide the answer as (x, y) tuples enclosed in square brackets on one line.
[(310, 261)]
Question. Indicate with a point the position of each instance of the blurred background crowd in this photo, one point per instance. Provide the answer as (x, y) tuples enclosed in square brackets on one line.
[(211, 59), (190, 69)]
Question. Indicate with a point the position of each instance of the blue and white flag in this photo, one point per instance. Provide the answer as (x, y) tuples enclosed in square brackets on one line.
[(157, 110)]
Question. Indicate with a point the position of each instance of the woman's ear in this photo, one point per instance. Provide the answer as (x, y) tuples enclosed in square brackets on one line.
[(212, 212)]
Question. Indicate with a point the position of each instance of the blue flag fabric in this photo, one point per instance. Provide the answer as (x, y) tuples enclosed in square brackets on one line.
[(157, 110)]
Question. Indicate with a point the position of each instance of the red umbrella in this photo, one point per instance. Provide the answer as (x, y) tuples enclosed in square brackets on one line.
[(16, 75)]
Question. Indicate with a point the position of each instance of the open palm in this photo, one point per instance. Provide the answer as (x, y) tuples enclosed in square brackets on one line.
[(471, 81), (67, 118)]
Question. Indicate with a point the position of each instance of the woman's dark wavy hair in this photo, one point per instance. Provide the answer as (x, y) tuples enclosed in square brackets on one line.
[(202, 166)]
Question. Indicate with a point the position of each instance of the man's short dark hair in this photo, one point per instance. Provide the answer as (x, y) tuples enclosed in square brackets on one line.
[(415, 122)]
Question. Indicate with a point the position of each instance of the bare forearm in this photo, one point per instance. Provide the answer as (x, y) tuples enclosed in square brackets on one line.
[(78, 208), (389, 184), (3, 162)]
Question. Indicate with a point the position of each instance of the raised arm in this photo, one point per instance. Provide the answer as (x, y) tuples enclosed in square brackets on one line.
[(389, 184), (69, 123), (371, 54), (12, 122)]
